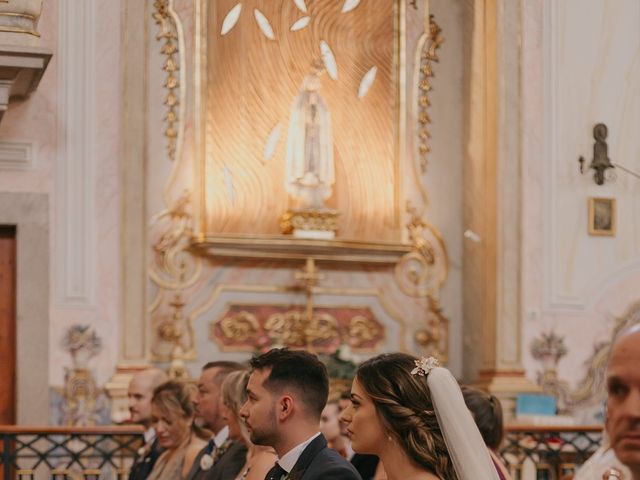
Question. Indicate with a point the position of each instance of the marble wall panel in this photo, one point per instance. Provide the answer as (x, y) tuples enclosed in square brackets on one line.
[(580, 61)]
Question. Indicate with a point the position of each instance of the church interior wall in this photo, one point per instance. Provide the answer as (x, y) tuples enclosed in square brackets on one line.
[(71, 125), (574, 285), (579, 70)]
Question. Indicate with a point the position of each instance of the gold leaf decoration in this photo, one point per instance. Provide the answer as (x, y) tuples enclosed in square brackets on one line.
[(329, 60), (231, 19), (301, 5), (272, 142), (264, 24), (300, 23), (367, 81), (349, 5)]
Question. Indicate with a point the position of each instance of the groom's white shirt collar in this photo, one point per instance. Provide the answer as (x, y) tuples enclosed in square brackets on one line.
[(290, 458)]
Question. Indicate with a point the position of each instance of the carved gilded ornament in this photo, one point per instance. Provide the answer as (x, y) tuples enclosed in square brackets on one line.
[(173, 270), (429, 54), (549, 349), (422, 271), (171, 36), (434, 338), (250, 328)]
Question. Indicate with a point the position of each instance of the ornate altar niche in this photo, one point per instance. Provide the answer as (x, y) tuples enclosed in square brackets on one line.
[(264, 71)]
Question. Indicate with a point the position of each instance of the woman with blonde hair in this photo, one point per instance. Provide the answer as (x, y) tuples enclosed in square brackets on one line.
[(412, 415), (259, 459), (172, 414)]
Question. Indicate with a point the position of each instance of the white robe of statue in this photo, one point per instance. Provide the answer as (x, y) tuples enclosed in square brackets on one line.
[(310, 171)]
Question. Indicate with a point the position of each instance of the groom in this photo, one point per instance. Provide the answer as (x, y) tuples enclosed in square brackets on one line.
[(286, 393)]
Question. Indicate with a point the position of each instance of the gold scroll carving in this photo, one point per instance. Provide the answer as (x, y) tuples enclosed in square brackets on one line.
[(254, 327)]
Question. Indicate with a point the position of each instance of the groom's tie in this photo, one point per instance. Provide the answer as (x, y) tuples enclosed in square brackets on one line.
[(276, 473)]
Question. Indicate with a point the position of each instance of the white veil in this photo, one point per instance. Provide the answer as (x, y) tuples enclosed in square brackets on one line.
[(466, 448)]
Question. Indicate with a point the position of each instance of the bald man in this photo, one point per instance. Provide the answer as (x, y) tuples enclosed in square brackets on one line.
[(140, 394), (623, 399)]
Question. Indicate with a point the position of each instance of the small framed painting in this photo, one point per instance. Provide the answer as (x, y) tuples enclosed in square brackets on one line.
[(602, 216)]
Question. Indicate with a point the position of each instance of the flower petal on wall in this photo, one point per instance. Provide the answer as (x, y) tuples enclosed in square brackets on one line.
[(228, 183), (264, 24), (367, 81), (272, 142), (301, 5), (300, 24), (231, 19), (329, 60), (349, 5)]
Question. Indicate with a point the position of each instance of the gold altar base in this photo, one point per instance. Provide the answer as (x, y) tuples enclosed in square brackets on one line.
[(319, 224)]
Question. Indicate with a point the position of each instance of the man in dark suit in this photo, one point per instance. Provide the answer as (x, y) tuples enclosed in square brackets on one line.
[(140, 394), (287, 391), (223, 457)]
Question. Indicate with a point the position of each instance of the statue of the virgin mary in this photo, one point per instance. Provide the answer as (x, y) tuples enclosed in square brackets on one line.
[(309, 168)]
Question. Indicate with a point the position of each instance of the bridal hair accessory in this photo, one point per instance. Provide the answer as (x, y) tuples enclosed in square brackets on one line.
[(425, 365)]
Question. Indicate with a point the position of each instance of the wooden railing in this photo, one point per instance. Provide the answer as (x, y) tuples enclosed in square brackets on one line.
[(548, 453), (30, 453)]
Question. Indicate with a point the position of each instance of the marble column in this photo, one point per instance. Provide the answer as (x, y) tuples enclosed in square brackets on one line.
[(492, 265), (134, 340)]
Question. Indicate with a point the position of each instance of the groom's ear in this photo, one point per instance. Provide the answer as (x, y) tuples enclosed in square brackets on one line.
[(285, 407)]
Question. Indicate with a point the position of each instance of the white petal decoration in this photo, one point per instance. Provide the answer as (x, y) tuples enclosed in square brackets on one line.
[(301, 5), (300, 24), (272, 142), (329, 60), (231, 19), (228, 183), (264, 24), (367, 81), (349, 5)]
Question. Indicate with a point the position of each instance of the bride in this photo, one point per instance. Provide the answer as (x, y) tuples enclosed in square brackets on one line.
[(411, 414)]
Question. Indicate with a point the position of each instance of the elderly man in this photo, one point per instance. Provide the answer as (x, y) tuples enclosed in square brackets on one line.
[(223, 457), (623, 400), (140, 394)]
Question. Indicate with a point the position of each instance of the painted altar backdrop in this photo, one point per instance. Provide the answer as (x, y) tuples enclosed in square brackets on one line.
[(223, 279), (578, 288)]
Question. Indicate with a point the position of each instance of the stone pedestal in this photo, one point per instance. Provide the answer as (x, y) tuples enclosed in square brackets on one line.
[(22, 61), (19, 22)]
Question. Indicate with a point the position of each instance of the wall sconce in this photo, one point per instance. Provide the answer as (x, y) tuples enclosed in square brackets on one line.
[(600, 162)]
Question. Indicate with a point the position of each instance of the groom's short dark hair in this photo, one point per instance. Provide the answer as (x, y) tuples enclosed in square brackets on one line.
[(299, 371)]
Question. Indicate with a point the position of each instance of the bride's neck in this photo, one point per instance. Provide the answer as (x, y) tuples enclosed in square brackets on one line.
[(401, 467)]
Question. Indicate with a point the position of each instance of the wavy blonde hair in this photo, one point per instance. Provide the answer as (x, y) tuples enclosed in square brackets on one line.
[(404, 406)]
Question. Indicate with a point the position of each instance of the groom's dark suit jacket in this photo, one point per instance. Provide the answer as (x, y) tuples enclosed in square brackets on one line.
[(319, 462)]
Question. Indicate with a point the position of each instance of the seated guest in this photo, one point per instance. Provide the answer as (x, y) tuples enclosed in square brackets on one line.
[(330, 428), (223, 457), (259, 459), (487, 413), (173, 414), (286, 393), (623, 400), (603, 461), (140, 394)]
